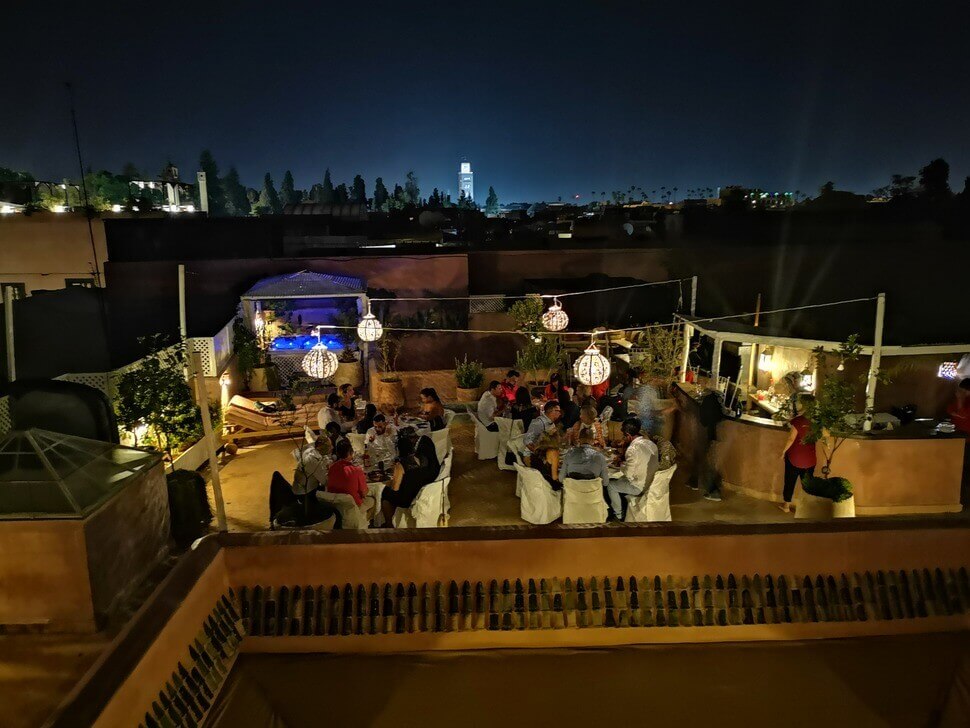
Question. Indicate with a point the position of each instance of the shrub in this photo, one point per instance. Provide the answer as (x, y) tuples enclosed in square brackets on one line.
[(835, 489), (469, 374)]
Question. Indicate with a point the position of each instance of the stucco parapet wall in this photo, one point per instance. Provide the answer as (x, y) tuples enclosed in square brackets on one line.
[(521, 587)]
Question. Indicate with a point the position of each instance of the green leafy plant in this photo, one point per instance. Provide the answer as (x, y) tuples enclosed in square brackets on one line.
[(835, 489), (540, 354), (469, 374), (246, 345), (527, 314), (157, 396), (660, 352), (388, 350), (829, 414)]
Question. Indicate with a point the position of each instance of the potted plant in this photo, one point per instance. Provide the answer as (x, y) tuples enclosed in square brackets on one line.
[(349, 369), (658, 354), (469, 377), (540, 356), (390, 388), (831, 496)]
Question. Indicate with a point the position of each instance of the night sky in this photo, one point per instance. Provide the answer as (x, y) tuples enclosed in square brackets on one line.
[(545, 99)]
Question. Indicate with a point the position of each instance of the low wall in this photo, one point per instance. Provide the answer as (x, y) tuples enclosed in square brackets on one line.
[(442, 380)]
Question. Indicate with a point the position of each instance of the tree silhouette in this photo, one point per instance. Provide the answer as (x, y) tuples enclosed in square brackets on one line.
[(235, 199), (288, 194), (380, 195), (934, 180), (216, 201), (491, 202), (269, 201), (359, 191)]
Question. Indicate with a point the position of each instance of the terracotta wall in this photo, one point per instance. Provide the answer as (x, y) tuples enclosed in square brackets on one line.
[(44, 574), (443, 380), (43, 250), (126, 538)]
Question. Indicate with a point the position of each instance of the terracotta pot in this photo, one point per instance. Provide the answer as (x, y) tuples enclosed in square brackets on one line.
[(264, 379), (822, 509), (350, 372), (389, 392), (468, 394)]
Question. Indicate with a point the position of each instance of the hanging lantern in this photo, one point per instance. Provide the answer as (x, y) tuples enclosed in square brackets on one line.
[(369, 328), (592, 368), (555, 319), (320, 363)]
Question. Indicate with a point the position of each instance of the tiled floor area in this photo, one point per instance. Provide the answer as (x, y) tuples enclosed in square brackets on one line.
[(481, 494)]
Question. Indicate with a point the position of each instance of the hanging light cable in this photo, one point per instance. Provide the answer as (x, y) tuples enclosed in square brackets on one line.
[(555, 319), (369, 328), (320, 363), (591, 367)]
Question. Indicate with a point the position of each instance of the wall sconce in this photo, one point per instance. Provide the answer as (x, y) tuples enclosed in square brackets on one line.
[(224, 380)]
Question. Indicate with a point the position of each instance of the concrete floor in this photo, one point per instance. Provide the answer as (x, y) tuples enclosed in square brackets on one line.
[(481, 494)]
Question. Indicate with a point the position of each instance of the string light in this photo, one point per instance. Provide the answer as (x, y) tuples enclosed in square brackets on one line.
[(555, 319), (369, 328), (320, 363), (591, 367)]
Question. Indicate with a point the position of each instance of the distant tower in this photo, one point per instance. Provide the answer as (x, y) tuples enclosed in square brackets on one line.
[(466, 180)]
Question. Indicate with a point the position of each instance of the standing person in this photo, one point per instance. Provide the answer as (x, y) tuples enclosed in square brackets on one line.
[(523, 409), (510, 384), (345, 477), (799, 454), (544, 424), (432, 410), (705, 476), (640, 462), (491, 405)]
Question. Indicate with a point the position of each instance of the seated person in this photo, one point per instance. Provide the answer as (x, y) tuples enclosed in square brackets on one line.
[(523, 409), (581, 395), (554, 386), (584, 462), (570, 410), (432, 409), (598, 390), (335, 435), (510, 385), (347, 406), (543, 424), (411, 473), (381, 439), (640, 462), (367, 421), (545, 459), (491, 405), (295, 505), (345, 477), (331, 413), (588, 421)]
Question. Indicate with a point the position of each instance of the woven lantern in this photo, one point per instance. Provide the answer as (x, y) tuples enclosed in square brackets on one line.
[(592, 368), (555, 319), (320, 363), (369, 328)]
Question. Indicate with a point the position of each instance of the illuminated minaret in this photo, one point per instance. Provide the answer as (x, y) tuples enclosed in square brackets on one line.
[(466, 180)]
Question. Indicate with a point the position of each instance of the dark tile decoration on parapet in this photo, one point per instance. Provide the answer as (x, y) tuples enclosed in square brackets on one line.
[(187, 697), (535, 604)]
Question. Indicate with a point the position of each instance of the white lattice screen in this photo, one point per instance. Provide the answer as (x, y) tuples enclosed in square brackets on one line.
[(96, 380)]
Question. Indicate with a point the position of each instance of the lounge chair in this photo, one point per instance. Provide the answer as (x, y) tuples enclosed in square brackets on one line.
[(246, 420)]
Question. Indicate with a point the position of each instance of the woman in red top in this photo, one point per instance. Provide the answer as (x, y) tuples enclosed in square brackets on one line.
[(345, 477), (799, 455)]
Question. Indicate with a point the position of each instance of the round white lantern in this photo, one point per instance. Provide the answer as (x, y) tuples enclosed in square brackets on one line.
[(592, 368), (555, 319), (320, 363), (369, 328)]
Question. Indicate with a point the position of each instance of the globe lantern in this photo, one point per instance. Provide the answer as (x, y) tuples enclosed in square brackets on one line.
[(591, 367), (369, 328), (320, 363), (555, 319)]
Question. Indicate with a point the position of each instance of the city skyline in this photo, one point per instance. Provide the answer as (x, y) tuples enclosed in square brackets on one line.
[(756, 99)]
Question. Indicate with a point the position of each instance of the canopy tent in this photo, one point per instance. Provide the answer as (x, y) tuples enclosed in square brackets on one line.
[(47, 474), (732, 331)]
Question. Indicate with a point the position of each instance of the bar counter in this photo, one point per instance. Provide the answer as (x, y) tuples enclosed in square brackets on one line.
[(906, 470)]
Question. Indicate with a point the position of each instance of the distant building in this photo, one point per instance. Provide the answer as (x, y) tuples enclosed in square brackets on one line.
[(466, 180)]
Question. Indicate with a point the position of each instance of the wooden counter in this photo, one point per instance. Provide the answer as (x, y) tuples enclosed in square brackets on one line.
[(890, 473)]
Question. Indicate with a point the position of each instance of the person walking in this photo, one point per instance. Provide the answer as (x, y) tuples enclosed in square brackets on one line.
[(799, 454)]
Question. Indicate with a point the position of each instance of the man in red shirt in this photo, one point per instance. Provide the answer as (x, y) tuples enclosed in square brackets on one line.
[(345, 477), (510, 384), (799, 456)]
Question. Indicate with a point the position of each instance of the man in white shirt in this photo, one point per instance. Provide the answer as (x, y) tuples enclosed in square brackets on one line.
[(491, 405), (639, 466), (312, 463), (381, 439), (330, 413)]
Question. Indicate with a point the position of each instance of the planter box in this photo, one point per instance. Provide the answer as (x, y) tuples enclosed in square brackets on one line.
[(351, 373), (388, 393), (195, 456), (471, 394), (822, 509)]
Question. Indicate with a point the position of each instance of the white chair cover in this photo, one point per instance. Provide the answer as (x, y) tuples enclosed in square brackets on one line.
[(582, 501), (448, 417), (539, 503), (445, 474), (606, 414), (442, 443), (358, 442), (507, 429), (425, 509), (486, 442), (352, 517), (654, 505), (516, 445)]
